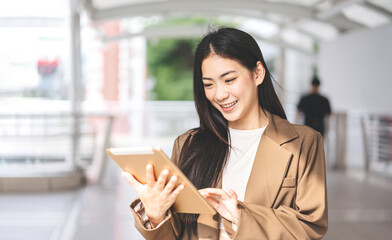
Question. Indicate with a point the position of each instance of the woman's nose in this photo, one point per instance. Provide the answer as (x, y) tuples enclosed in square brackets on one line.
[(221, 93)]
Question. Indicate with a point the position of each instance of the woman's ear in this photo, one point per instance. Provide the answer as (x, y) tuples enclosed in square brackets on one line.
[(260, 73)]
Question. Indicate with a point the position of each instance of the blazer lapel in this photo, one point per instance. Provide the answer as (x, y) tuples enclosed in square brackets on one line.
[(271, 162), (268, 171)]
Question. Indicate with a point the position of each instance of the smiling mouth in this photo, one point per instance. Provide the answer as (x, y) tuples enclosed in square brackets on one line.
[(229, 106)]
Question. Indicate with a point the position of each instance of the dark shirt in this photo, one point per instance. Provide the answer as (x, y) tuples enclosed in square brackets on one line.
[(315, 107)]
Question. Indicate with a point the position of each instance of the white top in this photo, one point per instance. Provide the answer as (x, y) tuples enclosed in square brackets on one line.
[(244, 144)]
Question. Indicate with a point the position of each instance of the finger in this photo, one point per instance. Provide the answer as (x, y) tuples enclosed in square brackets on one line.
[(177, 191), (162, 179), (233, 194), (214, 190), (171, 184), (220, 207), (131, 180), (213, 202), (203, 193), (150, 178), (218, 192)]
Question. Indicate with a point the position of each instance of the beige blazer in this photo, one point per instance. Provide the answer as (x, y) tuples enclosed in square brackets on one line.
[(285, 196)]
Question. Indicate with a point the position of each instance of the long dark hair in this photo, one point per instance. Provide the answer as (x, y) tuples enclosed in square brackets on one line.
[(205, 152)]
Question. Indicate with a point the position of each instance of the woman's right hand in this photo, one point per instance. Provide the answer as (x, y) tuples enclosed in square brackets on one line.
[(156, 196)]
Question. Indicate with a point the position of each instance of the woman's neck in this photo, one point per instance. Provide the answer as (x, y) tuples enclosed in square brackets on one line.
[(257, 119)]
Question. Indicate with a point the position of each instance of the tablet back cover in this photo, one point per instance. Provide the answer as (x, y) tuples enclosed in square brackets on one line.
[(134, 161)]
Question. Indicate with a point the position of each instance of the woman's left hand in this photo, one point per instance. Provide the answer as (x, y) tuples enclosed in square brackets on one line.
[(224, 202)]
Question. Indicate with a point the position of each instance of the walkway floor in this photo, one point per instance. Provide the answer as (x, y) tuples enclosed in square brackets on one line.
[(360, 207)]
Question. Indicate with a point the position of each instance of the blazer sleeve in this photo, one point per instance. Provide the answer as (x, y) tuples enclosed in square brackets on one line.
[(308, 219), (170, 229)]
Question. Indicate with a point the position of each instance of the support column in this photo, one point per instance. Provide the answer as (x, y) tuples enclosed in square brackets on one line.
[(110, 54), (76, 87)]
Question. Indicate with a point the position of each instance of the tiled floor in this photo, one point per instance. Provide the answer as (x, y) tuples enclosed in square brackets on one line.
[(359, 208)]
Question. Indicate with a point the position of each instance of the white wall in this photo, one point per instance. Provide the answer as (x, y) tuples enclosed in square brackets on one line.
[(297, 76), (356, 75), (356, 70)]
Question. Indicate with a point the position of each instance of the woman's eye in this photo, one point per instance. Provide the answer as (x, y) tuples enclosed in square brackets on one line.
[(208, 85), (230, 80)]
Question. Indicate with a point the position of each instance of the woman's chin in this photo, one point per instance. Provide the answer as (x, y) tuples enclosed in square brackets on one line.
[(230, 117)]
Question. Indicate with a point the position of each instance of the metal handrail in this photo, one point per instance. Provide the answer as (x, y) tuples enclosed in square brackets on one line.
[(45, 131)]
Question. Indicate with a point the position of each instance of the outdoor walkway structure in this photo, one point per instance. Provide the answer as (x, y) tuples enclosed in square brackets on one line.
[(75, 79)]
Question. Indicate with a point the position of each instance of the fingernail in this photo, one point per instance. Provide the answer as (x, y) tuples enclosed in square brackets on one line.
[(149, 166), (165, 172), (173, 178), (181, 186)]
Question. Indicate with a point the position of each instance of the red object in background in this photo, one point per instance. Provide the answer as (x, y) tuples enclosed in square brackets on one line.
[(47, 67)]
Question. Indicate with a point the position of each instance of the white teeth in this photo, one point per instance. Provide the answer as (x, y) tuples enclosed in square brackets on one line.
[(229, 105)]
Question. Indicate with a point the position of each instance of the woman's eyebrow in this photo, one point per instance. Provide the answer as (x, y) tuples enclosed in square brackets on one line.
[(221, 76)]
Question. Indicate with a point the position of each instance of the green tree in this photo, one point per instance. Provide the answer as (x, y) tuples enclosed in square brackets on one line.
[(170, 61), (170, 66)]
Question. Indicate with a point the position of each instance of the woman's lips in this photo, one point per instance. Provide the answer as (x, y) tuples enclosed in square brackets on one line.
[(228, 107)]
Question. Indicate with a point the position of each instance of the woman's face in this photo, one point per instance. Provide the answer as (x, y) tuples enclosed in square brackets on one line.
[(232, 89)]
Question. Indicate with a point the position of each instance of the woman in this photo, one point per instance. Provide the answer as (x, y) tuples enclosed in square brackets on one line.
[(264, 176)]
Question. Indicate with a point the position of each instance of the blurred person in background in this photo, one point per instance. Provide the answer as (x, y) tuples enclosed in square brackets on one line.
[(315, 107), (264, 176)]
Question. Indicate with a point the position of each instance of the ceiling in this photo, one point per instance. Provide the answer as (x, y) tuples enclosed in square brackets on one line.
[(296, 24)]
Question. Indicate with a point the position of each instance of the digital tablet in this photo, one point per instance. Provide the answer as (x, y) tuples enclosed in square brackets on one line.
[(134, 161)]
